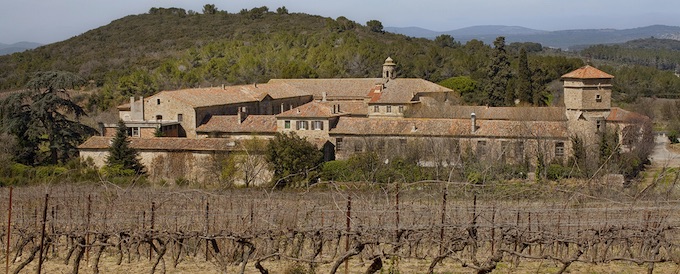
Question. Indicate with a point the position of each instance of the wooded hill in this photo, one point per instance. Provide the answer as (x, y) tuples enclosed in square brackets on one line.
[(172, 48)]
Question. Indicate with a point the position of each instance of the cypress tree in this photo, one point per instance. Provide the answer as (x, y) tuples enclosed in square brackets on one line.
[(120, 152), (524, 91), (499, 75)]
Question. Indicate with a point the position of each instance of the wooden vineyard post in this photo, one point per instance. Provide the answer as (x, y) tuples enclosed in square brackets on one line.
[(87, 228), (42, 234), (207, 223), (349, 218), (443, 219), (396, 209), (493, 228), (153, 215), (9, 228)]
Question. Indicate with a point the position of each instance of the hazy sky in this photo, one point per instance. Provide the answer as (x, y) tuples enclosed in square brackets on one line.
[(47, 21)]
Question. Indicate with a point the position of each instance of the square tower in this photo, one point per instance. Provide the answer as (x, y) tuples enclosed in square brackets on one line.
[(587, 89)]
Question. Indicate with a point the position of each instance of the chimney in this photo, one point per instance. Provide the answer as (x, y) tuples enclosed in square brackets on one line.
[(323, 96), (102, 129), (473, 119), (378, 88)]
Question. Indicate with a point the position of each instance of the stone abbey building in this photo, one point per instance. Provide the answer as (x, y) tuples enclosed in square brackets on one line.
[(347, 116)]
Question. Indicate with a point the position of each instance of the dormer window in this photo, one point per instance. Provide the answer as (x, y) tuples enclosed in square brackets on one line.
[(598, 98)]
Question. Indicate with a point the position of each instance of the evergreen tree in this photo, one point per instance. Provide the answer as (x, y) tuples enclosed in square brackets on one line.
[(524, 90), (45, 116), (499, 76), (121, 154)]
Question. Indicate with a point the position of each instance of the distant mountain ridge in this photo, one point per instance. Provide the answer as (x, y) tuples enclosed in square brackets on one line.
[(17, 47), (565, 39)]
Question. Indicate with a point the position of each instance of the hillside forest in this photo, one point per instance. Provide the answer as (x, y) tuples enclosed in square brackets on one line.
[(171, 48)]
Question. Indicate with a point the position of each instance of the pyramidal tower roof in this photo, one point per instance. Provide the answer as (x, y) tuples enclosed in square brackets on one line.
[(587, 72)]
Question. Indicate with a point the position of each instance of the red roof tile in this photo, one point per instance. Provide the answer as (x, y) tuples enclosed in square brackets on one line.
[(229, 124), (587, 72), (311, 110), (449, 127), (622, 115)]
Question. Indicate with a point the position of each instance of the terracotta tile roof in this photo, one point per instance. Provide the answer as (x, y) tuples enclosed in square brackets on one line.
[(505, 113), (229, 124), (353, 108), (587, 72), (164, 143), (311, 110), (335, 88), (403, 90), (215, 96), (622, 115), (449, 127), (124, 107)]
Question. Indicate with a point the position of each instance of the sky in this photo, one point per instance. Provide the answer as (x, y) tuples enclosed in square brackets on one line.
[(48, 21)]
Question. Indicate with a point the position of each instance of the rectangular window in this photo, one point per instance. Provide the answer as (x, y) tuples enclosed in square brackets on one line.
[(358, 147), (158, 101), (286, 124), (180, 117), (600, 125), (338, 144), (559, 149), (401, 109), (598, 98), (376, 108), (317, 125), (481, 148), (159, 117), (133, 132), (389, 109), (519, 150), (302, 125)]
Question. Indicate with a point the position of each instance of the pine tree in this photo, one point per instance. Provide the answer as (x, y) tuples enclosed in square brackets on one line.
[(121, 154)]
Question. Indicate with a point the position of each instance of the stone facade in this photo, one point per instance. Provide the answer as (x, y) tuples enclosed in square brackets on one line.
[(331, 113)]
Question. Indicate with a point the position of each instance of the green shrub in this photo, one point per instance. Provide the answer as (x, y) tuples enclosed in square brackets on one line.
[(673, 136), (556, 172), (116, 171)]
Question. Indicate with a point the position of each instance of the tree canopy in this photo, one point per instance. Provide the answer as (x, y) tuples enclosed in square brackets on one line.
[(44, 119), (292, 158)]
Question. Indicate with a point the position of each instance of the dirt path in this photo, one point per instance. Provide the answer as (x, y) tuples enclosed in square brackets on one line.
[(661, 155)]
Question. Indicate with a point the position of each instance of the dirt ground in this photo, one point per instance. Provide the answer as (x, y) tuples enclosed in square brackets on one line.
[(200, 266)]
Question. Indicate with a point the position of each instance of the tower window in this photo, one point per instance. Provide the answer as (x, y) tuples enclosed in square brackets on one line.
[(158, 101), (598, 98)]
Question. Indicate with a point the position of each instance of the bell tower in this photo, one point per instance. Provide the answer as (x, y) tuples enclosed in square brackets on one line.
[(388, 69)]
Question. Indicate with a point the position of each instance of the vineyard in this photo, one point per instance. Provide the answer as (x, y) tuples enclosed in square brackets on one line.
[(407, 228)]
